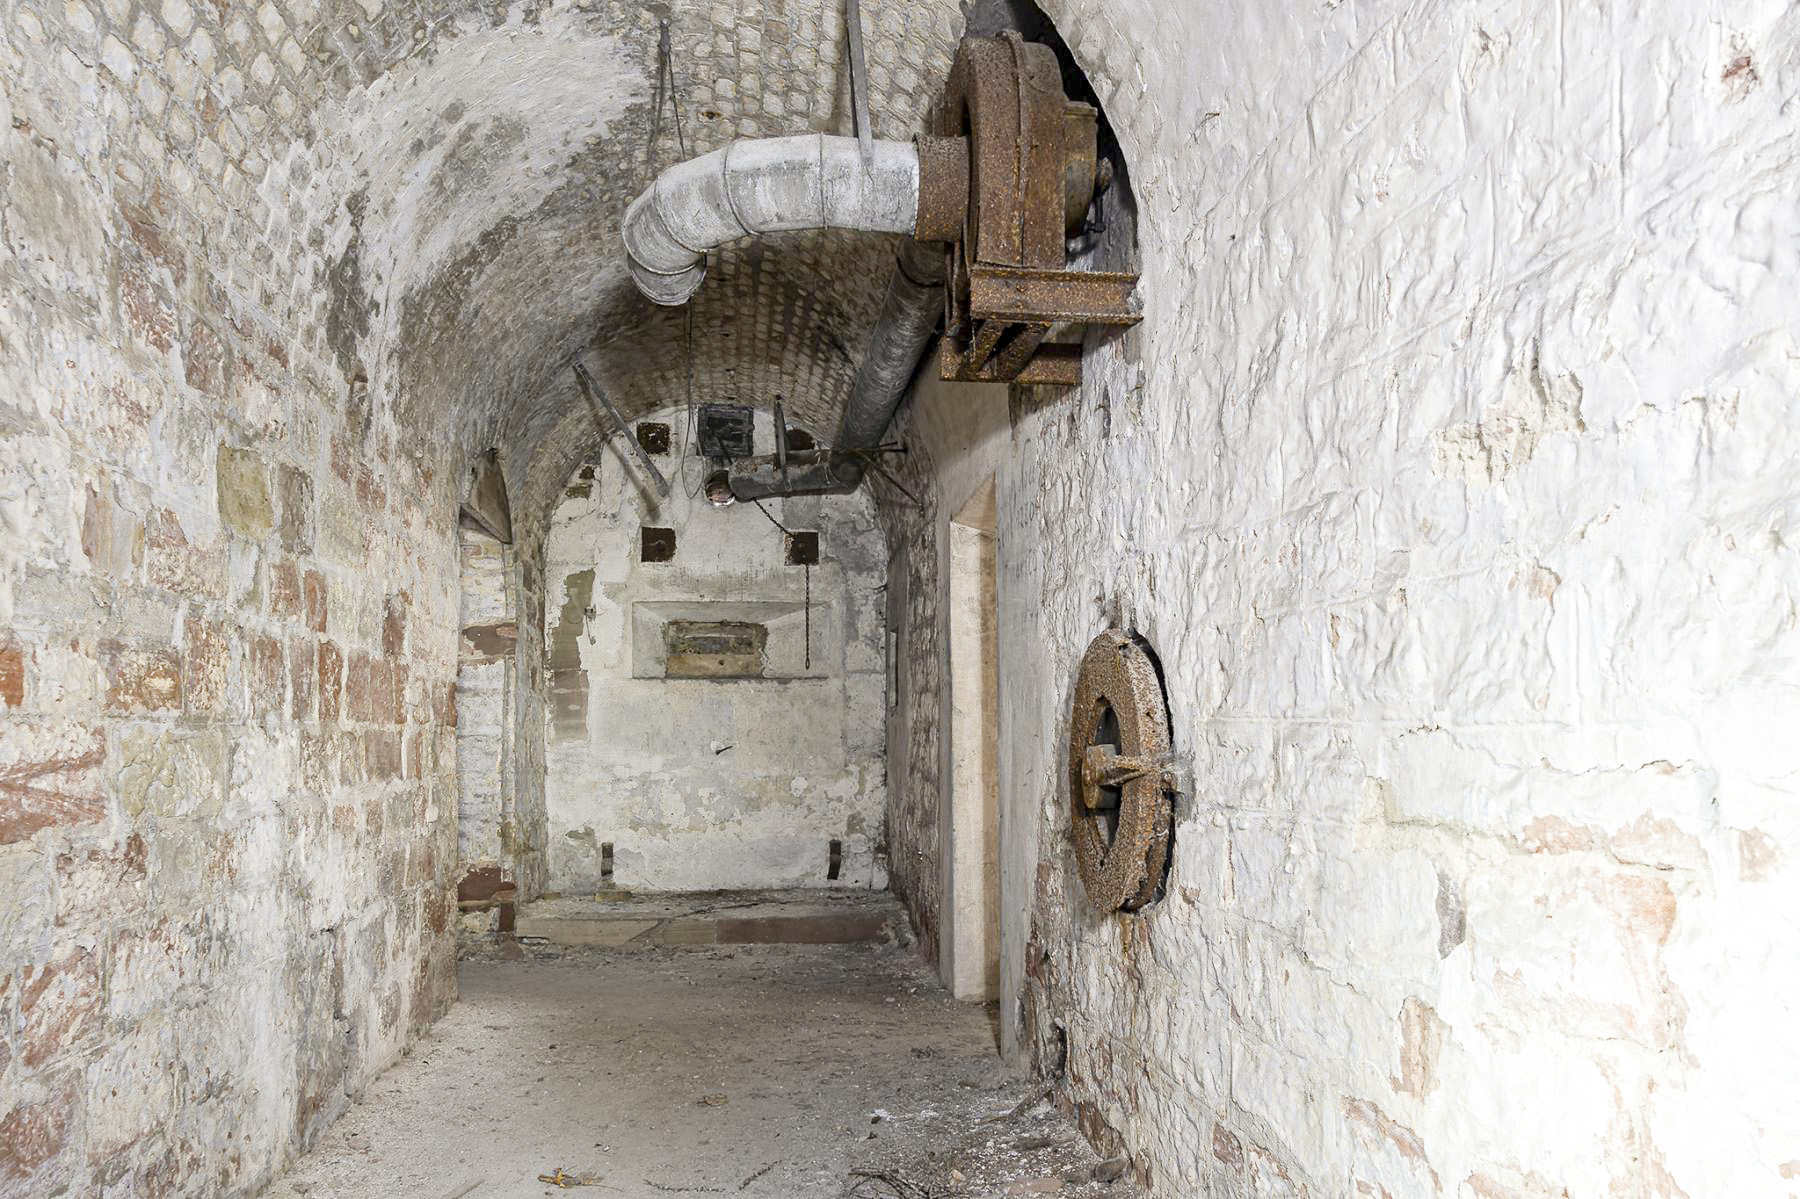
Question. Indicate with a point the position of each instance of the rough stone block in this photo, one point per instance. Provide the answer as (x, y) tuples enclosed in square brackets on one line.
[(243, 483), (95, 886), (59, 1005), (140, 678), (381, 751), (393, 624), (174, 562), (206, 665), (284, 589), (147, 313), (316, 606), (12, 674), (331, 682), (111, 538), (51, 776), (204, 361), (295, 491), (361, 687), (396, 677), (35, 1135), (303, 662), (170, 773), (130, 1088), (268, 677)]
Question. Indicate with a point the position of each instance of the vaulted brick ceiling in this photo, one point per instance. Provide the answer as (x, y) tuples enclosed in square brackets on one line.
[(453, 174)]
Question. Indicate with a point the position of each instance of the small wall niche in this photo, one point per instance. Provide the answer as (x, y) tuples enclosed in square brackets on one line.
[(802, 547), (713, 649), (656, 545), (733, 640), (653, 435)]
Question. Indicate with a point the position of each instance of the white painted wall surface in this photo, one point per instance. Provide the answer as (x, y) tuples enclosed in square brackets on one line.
[(1454, 473), (704, 783)]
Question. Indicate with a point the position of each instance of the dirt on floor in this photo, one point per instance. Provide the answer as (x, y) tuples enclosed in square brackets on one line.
[(792, 1071)]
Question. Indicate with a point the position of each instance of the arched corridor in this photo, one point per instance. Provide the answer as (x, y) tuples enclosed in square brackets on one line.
[(1229, 558)]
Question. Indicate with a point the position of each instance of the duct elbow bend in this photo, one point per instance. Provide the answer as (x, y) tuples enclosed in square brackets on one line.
[(763, 185)]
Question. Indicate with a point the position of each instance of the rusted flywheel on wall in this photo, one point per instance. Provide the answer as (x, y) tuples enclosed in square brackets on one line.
[(1121, 776)]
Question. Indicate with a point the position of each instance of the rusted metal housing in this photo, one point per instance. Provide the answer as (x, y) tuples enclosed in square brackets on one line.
[(1032, 173), (1122, 777)]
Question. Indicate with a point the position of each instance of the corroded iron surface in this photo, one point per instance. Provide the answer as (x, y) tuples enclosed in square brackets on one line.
[(1031, 172), (1119, 784)]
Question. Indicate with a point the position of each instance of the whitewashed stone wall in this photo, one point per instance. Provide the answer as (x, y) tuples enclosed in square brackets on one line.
[(227, 614), (1453, 475), (703, 783)]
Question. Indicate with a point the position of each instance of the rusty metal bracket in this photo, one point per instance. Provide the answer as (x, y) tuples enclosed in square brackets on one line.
[(1122, 774)]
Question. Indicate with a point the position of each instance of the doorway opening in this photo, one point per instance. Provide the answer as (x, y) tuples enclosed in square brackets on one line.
[(969, 948)]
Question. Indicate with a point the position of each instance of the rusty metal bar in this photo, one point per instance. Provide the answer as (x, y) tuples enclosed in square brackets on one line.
[(1018, 347), (1025, 296), (943, 187), (594, 392), (981, 345)]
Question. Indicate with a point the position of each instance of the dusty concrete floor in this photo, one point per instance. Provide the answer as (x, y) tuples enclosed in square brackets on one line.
[(787, 1070)]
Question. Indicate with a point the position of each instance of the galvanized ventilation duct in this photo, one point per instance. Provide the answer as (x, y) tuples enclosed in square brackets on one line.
[(764, 185), (815, 182)]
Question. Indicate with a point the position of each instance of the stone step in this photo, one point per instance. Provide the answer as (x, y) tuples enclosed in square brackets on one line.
[(687, 921)]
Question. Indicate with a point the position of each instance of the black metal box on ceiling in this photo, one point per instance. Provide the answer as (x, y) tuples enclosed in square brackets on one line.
[(727, 431)]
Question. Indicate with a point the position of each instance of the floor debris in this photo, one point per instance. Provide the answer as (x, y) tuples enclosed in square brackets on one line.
[(559, 1178), (849, 1074)]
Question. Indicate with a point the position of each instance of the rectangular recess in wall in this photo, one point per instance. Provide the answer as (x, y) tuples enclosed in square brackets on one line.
[(786, 624), (713, 649), (653, 435), (656, 545), (835, 860), (802, 547), (606, 859)]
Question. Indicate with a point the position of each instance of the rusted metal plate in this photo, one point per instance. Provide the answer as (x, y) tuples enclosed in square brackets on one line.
[(1120, 807), (981, 102), (1041, 140), (1029, 296), (943, 187)]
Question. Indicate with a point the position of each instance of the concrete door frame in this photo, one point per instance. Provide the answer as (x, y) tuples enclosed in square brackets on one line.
[(969, 812)]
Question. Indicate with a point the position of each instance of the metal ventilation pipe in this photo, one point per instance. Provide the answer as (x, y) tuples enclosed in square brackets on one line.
[(764, 185), (815, 182), (909, 316)]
